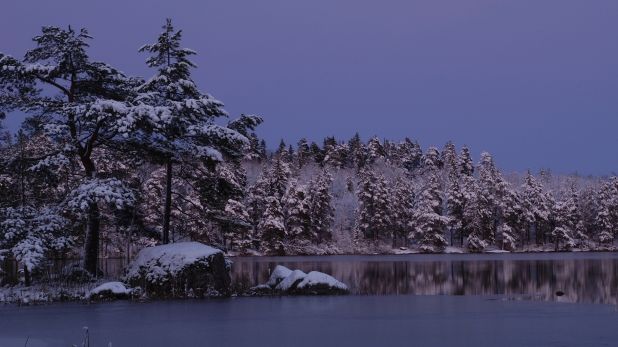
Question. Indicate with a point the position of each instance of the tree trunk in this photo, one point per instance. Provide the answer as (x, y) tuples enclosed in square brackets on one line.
[(91, 247), (167, 208), (91, 252), (27, 278)]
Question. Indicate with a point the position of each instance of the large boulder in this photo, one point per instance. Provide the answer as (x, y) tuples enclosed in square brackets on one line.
[(183, 269)]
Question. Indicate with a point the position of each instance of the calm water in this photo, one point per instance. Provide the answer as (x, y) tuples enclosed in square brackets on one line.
[(409, 300), (583, 277), (357, 321)]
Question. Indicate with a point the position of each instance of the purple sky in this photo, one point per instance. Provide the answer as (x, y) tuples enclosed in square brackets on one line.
[(535, 82)]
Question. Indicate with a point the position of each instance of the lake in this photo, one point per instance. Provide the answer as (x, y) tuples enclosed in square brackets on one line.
[(415, 300)]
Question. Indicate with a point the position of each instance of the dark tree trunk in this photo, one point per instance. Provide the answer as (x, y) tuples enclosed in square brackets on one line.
[(91, 252), (91, 247), (167, 208), (27, 278)]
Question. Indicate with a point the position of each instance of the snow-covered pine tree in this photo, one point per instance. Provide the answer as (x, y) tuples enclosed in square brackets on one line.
[(80, 102), (373, 215), (511, 219), (431, 159), (537, 208), (29, 234), (278, 177), (237, 227), (488, 200), (466, 165), (402, 210), (303, 153), (254, 153), (564, 229), (320, 208), (282, 149), (298, 213), (272, 227), (449, 160), (375, 150), (256, 205), (336, 155), (455, 206), (316, 152), (607, 215), (357, 157), (172, 120), (409, 155), (429, 224)]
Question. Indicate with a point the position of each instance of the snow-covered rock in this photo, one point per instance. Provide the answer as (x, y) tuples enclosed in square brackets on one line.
[(290, 282), (320, 283), (279, 273), (183, 269), (110, 290), (284, 281)]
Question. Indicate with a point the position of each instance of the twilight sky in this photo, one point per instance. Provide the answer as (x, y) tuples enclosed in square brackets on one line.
[(534, 82)]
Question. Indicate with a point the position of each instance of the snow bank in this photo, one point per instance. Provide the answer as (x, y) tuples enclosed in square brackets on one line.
[(453, 250), (116, 289)]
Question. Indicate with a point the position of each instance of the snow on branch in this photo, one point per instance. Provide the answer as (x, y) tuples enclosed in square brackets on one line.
[(110, 191)]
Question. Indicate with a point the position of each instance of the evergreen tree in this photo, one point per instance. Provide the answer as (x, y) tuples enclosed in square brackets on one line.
[(303, 153), (607, 215), (28, 234), (512, 219), (375, 150), (431, 159), (429, 222), (402, 210), (174, 120), (466, 166), (320, 208), (410, 154), (564, 230), (537, 208), (455, 203), (449, 160), (298, 213), (81, 103), (278, 177), (356, 149), (272, 227), (373, 213), (316, 152), (238, 225)]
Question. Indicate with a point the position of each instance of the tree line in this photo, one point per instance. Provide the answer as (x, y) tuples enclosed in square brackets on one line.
[(106, 163)]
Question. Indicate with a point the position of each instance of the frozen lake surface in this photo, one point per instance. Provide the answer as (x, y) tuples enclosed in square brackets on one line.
[(415, 300), (315, 321)]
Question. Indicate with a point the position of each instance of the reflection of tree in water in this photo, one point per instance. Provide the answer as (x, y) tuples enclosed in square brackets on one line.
[(581, 280)]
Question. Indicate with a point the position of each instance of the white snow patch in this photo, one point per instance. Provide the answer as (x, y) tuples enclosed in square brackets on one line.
[(114, 287), (279, 273), (497, 251), (453, 250), (319, 278), (289, 280)]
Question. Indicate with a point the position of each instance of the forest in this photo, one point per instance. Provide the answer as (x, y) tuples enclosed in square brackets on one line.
[(106, 164)]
